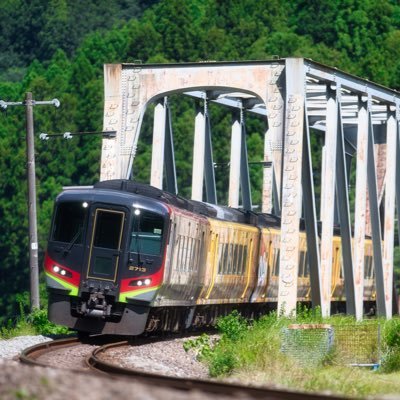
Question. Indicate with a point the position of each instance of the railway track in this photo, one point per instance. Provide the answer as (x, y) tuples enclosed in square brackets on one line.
[(208, 388), (32, 354)]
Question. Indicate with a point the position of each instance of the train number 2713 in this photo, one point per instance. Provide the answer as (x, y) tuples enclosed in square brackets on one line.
[(137, 269)]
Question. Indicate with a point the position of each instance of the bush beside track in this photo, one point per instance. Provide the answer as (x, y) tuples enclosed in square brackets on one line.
[(250, 351)]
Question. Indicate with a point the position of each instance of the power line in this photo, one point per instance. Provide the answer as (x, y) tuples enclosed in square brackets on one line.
[(70, 135)]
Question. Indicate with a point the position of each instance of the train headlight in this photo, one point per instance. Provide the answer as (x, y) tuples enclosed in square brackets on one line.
[(85, 204), (60, 271), (140, 282), (137, 211)]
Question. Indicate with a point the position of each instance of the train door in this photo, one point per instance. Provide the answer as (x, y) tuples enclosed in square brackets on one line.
[(105, 243)]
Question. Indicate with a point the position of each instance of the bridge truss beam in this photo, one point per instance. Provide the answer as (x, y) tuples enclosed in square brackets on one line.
[(357, 121)]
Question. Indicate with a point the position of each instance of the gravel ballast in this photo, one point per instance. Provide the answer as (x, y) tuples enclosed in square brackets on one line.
[(11, 348), (22, 381)]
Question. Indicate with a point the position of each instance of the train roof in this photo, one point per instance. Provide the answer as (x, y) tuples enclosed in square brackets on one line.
[(198, 207)]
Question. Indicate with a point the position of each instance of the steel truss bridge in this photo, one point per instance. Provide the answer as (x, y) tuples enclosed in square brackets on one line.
[(359, 121)]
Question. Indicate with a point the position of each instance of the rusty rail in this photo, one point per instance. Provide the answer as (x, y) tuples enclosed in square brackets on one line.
[(207, 387), (31, 354)]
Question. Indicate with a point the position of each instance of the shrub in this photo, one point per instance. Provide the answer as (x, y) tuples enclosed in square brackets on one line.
[(233, 326), (391, 346), (222, 363), (35, 323), (391, 333), (38, 319), (201, 346)]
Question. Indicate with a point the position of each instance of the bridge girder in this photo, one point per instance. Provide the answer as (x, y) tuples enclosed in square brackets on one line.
[(358, 120)]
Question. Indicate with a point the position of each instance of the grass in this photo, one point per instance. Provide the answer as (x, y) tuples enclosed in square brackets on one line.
[(251, 353), (34, 323)]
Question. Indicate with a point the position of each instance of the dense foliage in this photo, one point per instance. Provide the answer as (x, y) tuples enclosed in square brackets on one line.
[(56, 49)]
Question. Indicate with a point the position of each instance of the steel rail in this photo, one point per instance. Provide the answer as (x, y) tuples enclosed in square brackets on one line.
[(209, 387), (31, 354)]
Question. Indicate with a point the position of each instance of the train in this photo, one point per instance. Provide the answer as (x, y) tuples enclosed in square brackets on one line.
[(124, 258)]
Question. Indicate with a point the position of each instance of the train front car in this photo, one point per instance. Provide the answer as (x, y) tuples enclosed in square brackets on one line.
[(105, 259)]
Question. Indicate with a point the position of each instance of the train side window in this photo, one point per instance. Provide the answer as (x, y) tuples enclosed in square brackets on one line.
[(368, 267), (181, 262), (276, 262), (307, 266), (200, 248), (341, 273), (240, 259), (244, 261), (193, 253), (235, 259), (226, 258), (221, 249), (302, 260), (187, 253), (184, 250), (231, 260), (269, 259), (177, 249)]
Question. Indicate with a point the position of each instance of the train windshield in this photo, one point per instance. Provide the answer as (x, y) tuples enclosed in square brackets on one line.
[(69, 222), (147, 233)]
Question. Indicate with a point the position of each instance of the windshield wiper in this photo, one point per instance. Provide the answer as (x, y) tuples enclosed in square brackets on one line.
[(68, 247)]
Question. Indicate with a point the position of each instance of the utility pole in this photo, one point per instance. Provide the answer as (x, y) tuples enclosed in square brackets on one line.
[(31, 176)]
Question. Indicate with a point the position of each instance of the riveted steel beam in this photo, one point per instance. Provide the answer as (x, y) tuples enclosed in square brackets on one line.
[(163, 148), (199, 154), (375, 221), (310, 216), (170, 167), (390, 199), (398, 173), (344, 211), (158, 149), (273, 142), (209, 173), (244, 168), (328, 199), (291, 186), (235, 161), (360, 207), (112, 121)]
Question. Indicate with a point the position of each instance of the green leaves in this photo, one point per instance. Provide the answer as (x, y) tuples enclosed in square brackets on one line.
[(57, 49)]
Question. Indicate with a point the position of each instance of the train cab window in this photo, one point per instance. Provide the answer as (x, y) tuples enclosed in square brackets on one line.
[(68, 222), (108, 229), (147, 233)]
